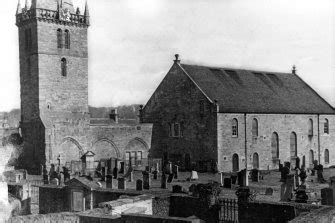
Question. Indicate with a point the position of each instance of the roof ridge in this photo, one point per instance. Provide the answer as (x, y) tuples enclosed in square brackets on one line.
[(237, 69)]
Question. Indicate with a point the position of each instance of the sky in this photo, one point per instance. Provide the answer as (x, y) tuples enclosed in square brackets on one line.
[(132, 43)]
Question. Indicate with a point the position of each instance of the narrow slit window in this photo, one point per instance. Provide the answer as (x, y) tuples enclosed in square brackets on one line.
[(59, 38), (67, 39), (64, 67)]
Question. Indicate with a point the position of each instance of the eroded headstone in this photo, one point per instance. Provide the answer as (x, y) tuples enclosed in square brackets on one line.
[(139, 185), (122, 185)]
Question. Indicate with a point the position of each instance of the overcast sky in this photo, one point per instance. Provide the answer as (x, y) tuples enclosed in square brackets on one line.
[(132, 43)]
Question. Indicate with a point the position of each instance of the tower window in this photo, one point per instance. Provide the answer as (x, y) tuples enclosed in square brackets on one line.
[(326, 156), (67, 39), (64, 67), (254, 128), (59, 38), (28, 40)]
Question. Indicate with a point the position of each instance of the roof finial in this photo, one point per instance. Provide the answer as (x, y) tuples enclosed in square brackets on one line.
[(294, 70), (177, 58), (18, 9), (87, 14)]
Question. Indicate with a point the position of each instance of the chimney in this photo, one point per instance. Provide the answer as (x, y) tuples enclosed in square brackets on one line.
[(141, 114), (114, 115), (294, 70), (177, 61)]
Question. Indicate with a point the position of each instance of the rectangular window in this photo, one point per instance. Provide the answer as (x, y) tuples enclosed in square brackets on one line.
[(133, 158), (234, 129), (127, 158), (139, 158), (325, 128)]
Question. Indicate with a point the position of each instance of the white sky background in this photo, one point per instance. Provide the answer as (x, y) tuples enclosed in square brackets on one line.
[(132, 43)]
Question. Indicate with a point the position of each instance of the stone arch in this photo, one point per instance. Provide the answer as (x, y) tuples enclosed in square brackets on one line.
[(105, 148), (70, 150), (138, 140), (136, 151)]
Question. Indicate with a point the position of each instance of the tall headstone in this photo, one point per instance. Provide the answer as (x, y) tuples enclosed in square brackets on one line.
[(122, 183), (175, 171), (109, 181), (163, 181), (287, 188), (139, 185), (146, 180)]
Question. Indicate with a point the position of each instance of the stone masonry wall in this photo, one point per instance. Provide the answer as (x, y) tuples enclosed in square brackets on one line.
[(177, 99), (283, 125)]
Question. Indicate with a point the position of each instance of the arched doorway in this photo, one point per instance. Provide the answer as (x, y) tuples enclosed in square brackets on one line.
[(255, 161), (137, 153), (235, 163), (106, 154), (311, 158)]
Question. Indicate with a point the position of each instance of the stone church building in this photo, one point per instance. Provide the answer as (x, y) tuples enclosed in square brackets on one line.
[(55, 121), (227, 118)]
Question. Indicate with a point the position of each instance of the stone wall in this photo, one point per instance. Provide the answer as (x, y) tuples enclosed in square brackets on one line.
[(177, 100), (272, 212), (283, 125)]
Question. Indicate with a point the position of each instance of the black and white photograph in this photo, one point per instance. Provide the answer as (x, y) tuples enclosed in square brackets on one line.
[(167, 111)]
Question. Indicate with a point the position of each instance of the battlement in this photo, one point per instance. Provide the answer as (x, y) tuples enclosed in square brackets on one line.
[(53, 16)]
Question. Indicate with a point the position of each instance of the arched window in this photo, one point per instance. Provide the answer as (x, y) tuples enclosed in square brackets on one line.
[(255, 161), (310, 127), (234, 127), (275, 146), (67, 39), (254, 128), (293, 144), (64, 67), (59, 38), (326, 126), (326, 156), (235, 162)]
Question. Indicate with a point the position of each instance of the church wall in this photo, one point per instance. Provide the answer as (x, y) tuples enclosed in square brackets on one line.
[(177, 100), (283, 125)]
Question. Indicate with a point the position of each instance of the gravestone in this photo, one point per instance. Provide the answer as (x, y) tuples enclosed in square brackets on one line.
[(170, 178), (122, 183), (255, 175), (109, 181), (45, 178), (146, 180), (115, 173), (194, 175), (54, 181), (301, 196), (175, 171), (155, 175), (287, 188), (163, 181), (139, 185), (123, 167), (327, 196), (242, 178), (233, 179), (269, 191), (177, 189), (227, 183)]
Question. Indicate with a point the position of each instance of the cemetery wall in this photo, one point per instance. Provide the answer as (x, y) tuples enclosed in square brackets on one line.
[(260, 211), (283, 125), (184, 206), (53, 200), (185, 105), (324, 214)]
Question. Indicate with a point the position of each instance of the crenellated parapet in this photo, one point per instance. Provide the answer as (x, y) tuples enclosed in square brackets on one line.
[(46, 15)]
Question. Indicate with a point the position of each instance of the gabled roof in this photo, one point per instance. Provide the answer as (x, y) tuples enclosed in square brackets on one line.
[(247, 91)]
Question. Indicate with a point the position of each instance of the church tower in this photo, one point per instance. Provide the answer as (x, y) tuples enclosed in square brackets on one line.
[(53, 75)]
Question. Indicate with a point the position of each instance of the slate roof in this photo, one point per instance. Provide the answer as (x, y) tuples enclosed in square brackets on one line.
[(247, 91)]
